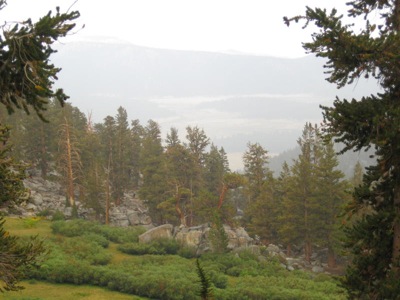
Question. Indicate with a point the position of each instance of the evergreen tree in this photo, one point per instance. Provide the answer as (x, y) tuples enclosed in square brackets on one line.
[(180, 167), (214, 170), (369, 121), (137, 132), (123, 155), (286, 219), (255, 161), (26, 82), (153, 171), (302, 204), (69, 162), (260, 210), (332, 193)]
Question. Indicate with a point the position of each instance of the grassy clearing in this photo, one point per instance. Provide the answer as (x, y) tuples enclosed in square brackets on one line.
[(86, 262), (45, 291), (28, 227)]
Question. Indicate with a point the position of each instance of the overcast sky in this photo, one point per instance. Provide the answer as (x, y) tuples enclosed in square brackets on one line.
[(248, 26)]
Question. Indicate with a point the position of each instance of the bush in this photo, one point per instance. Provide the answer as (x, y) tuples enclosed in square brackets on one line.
[(187, 252), (81, 227), (157, 247), (83, 249), (58, 216), (96, 238)]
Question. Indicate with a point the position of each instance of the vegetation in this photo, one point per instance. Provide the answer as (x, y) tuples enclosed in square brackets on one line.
[(190, 183), (373, 238), (26, 83), (230, 276)]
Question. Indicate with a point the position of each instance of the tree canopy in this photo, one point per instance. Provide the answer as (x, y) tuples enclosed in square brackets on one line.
[(26, 82), (372, 121)]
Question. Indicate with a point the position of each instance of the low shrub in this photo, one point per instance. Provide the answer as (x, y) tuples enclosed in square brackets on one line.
[(156, 247), (81, 227), (187, 252), (87, 250), (57, 216)]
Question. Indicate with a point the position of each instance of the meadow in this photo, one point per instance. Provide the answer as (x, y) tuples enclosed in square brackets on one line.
[(87, 260)]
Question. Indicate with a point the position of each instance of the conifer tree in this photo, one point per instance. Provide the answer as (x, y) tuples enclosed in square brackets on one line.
[(260, 209), (370, 121), (153, 171), (26, 83), (123, 155), (332, 194), (137, 136)]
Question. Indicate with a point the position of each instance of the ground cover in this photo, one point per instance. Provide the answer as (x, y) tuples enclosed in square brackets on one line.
[(83, 253)]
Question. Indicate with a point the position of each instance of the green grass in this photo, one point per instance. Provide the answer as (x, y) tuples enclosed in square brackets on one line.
[(81, 266), (28, 227), (35, 290)]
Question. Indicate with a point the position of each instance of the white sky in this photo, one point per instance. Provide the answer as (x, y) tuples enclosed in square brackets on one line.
[(248, 26)]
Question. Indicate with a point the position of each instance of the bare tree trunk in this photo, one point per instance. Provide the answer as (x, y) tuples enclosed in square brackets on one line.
[(178, 207), (331, 258), (289, 250), (222, 195), (43, 150), (70, 174), (396, 230)]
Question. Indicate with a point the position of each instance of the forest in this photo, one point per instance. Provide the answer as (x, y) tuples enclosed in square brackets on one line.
[(188, 182), (184, 183)]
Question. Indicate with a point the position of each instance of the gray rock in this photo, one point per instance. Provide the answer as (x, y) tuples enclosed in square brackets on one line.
[(68, 212), (317, 269), (163, 231), (36, 198), (31, 207)]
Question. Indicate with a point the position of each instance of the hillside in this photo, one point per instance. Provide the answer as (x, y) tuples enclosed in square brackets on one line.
[(236, 98)]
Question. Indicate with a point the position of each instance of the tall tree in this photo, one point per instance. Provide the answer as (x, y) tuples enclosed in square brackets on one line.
[(123, 155), (259, 212), (69, 160), (371, 121), (302, 202), (26, 82), (153, 171), (332, 194), (256, 170), (137, 136)]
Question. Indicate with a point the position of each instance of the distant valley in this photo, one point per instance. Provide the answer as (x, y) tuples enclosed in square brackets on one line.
[(236, 99)]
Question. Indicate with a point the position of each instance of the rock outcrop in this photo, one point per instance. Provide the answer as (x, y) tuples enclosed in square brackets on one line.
[(48, 197), (197, 237)]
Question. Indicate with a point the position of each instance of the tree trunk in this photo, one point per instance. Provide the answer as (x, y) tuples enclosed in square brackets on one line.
[(396, 230), (331, 258), (222, 195), (307, 251), (43, 150), (178, 209), (70, 174), (289, 250)]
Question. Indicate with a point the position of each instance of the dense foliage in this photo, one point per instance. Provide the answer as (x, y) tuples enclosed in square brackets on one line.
[(27, 78), (372, 121), (80, 259)]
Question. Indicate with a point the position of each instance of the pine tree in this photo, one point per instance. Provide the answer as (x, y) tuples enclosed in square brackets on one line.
[(26, 83), (180, 166), (70, 164), (370, 121), (260, 209), (153, 171), (332, 193), (123, 155), (137, 132)]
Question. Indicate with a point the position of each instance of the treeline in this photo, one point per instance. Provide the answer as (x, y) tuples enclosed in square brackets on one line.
[(188, 182)]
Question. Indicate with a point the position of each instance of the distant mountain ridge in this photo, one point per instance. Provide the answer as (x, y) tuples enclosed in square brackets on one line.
[(149, 72), (236, 98)]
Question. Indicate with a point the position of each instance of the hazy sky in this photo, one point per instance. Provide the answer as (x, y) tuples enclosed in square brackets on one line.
[(249, 26)]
